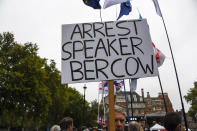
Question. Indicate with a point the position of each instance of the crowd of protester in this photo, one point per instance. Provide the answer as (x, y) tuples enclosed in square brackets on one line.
[(171, 122)]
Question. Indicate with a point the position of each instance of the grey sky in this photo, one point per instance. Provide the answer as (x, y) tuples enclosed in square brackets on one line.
[(39, 21)]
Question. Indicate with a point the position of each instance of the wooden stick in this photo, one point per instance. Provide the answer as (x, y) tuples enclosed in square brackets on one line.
[(111, 126)]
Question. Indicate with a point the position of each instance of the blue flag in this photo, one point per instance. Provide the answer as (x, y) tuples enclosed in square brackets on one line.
[(125, 9), (140, 16), (93, 3)]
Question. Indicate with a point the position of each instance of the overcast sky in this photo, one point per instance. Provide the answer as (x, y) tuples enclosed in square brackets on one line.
[(39, 21)]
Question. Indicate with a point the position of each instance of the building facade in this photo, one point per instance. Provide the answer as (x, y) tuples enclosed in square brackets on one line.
[(157, 104), (140, 106), (135, 102)]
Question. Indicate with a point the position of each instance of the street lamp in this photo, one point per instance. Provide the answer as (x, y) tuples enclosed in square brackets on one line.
[(84, 103)]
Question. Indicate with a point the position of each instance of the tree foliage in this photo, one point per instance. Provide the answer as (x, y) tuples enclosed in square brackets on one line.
[(191, 98), (31, 93), (93, 113), (23, 80)]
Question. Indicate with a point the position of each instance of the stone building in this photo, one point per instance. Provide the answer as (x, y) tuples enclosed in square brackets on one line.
[(136, 109)]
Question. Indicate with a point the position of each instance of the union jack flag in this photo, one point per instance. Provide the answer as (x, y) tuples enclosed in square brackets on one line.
[(118, 84)]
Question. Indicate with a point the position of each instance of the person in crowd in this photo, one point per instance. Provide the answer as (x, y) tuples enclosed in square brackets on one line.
[(66, 124), (134, 126), (172, 122), (55, 128), (142, 123), (119, 117), (154, 122)]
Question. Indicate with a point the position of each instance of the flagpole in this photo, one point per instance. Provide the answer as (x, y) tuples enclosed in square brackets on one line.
[(165, 106), (104, 109), (98, 102), (128, 117), (116, 13), (184, 115), (103, 101), (101, 16), (131, 99)]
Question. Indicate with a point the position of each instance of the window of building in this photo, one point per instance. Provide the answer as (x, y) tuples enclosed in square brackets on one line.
[(135, 98), (129, 97), (136, 111), (141, 99), (158, 108), (142, 111)]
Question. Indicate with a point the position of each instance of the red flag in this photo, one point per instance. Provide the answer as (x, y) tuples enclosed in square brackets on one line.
[(160, 57)]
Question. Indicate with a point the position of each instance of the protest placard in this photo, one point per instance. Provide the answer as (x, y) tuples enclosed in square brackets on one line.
[(107, 51)]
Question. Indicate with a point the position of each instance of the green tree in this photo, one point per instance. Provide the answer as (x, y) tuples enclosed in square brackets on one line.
[(92, 113), (23, 78), (58, 96), (191, 98), (31, 93), (74, 106)]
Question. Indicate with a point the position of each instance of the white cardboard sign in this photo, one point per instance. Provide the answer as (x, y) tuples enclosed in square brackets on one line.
[(107, 51)]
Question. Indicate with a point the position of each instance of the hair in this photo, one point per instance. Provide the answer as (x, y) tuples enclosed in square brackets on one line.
[(171, 121), (120, 111), (66, 122), (115, 110), (55, 128)]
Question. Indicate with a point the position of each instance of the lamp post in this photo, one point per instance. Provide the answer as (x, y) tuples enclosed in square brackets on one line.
[(84, 103)]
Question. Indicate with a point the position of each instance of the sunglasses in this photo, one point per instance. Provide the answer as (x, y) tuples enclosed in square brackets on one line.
[(121, 120)]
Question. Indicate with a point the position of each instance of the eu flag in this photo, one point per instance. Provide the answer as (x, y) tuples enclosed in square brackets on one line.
[(125, 9), (93, 3)]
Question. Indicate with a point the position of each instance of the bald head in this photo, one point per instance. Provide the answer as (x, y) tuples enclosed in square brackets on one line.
[(134, 126)]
